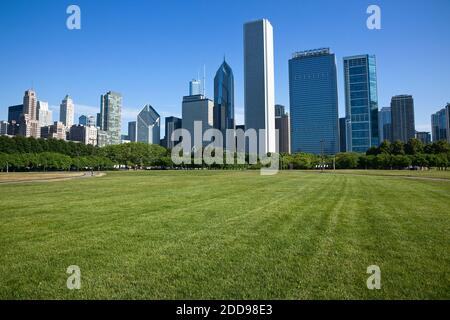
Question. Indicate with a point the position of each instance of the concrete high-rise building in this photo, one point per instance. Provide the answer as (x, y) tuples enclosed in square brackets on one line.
[(14, 113), (402, 110), (87, 120), (342, 135), (148, 125), (83, 134), (195, 87), (55, 131), (361, 102), (279, 110), (314, 102), (102, 138), (283, 125), (197, 108), (30, 104), (439, 125), (110, 116), (259, 89), (66, 112), (132, 131), (29, 125), (385, 124), (224, 100), (4, 128), (45, 116), (425, 137), (171, 124)]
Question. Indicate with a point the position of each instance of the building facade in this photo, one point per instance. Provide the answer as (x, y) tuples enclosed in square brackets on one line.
[(171, 124), (197, 108), (148, 126), (447, 111), (424, 137), (132, 131), (66, 111), (195, 87), (84, 134), (361, 102), (439, 125), (110, 116), (342, 135), (402, 110), (29, 125), (283, 127), (314, 102), (14, 113), (45, 116), (224, 99), (55, 131), (385, 124), (259, 89), (4, 128)]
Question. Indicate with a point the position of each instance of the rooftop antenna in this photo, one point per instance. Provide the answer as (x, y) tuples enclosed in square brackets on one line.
[(204, 80)]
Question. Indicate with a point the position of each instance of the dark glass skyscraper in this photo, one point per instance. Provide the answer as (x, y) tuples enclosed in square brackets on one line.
[(14, 113), (402, 109), (385, 124), (314, 102), (172, 124), (224, 99), (361, 102)]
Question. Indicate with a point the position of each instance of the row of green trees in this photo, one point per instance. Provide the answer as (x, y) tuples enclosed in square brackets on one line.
[(50, 161), (20, 153)]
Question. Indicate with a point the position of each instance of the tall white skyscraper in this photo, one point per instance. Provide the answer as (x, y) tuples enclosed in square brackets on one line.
[(44, 115), (66, 112), (259, 89)]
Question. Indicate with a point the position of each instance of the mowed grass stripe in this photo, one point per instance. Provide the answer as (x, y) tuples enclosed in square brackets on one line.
[(225, 235)]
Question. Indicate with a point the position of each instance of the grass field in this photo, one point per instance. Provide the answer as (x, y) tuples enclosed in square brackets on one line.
[(226, 235)]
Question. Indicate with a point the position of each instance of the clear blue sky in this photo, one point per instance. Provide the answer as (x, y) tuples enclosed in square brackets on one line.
[(149, 50)]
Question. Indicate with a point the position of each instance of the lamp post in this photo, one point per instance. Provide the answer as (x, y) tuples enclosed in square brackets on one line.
[(321, 155)]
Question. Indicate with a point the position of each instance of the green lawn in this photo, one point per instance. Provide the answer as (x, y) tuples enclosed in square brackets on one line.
[(226, 235)]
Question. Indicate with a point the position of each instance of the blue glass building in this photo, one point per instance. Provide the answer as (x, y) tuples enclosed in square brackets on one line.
[(361, 102), (314, 102), (224, 98)]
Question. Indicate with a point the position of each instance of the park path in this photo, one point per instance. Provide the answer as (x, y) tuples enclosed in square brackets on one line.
[(55, 179)]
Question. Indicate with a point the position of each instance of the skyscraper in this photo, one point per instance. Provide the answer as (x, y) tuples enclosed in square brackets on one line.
[(361, 102), (402, 109), (342, 135), (259, 90), (439, 125), (66, 112), (132, 131), (195, 87), (385, 124), (224, 99), (314, 102), (283, 125), (447, 111), (425, 137), (172, 124), (197, 108), (4, 128), (148, 125), (110, 116), (45, 116), (14, 113), (29, 125)]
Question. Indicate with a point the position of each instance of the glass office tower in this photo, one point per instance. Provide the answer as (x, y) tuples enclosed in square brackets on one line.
[(361, 102), (110, 116), (224, 99), (314, 102)]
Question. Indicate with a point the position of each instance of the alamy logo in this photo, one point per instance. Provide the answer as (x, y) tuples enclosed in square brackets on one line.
[(210, 147), (74, 280), (374, 20), (73, 22), (374, 281)]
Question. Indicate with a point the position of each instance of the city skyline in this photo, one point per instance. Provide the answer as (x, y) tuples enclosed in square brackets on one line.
[(395, 77)]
